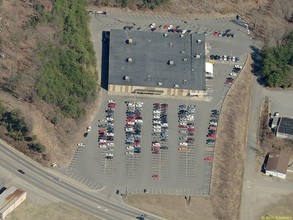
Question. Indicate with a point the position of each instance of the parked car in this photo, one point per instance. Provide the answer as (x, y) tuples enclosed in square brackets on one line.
[(208, 158), (152, 25)]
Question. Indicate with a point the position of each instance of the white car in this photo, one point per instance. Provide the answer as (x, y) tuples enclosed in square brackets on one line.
[(156, 122), (183, 144), (109, 154), (238, 66), (129, 148), (130, 123), (110, 134), (89, 128), (225, 57), (233, 74), (157, 130), (81, 145), (156, 144), (110, 144), (184, 31), (111, 101), (165, 125), (102, 141), (157, 126), (103, 146), (170, 26), (138, 121), (152, 25), (129, 129), (233, 59), (156, 116), (110, 119), (129, 153)]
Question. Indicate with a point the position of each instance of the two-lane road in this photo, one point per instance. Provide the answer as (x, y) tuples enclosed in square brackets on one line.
[(89, 201)]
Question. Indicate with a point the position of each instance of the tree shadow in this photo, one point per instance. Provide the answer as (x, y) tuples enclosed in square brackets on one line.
[(105, 59), (256, 66)]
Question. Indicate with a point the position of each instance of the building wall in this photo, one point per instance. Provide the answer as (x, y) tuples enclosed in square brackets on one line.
[(276, 174), (13, 206), (124, 90), (283, 135)]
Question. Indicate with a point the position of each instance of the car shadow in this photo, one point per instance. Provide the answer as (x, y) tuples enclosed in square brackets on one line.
[(105, 59)]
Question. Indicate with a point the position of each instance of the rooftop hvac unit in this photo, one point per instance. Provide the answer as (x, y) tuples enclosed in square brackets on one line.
[(197, 56), (165, 35), (198, 41), (126, 78), (181, 35), (129, 60), (129, 41), (176, 86), (184, 59), (170, 44), (159, 83), (182, 52), (171, 62)]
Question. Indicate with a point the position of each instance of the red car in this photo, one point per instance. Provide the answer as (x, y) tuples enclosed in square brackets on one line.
[(155, 152), (191, 129), (208, 158), (101, 131), (216, 34), (182, 126), (155, 176), (229, 81), (213, 135), (136, 143), (165, 26)]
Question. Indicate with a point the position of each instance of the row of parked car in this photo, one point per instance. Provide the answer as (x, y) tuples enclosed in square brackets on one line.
[(160, 127), (212, 129), (106, 131), (186, 127), (226, 33), (224, 57), (133, 127)]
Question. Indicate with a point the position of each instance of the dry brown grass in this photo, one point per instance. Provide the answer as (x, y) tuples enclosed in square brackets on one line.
[(230, 148), (173, 207)]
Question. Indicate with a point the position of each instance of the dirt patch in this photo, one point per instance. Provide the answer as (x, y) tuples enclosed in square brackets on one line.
[(230, 149), (173, 207), (56, 211), (282, 207)]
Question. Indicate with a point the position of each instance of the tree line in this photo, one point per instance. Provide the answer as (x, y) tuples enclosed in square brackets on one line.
[(68, 78), (141, 4)]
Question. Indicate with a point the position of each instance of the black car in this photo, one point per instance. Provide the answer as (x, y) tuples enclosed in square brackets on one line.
[(21, 171)]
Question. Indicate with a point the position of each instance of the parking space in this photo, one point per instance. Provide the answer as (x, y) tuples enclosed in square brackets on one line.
[(156, 145)]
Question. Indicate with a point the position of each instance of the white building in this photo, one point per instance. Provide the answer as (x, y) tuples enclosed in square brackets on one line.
[(277, 164), (10, 199)]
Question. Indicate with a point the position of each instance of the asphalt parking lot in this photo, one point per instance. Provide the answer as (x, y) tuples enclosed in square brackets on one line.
[(182, 169)]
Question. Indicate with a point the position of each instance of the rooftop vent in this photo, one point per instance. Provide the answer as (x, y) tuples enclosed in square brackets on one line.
[(170, 44), (129, 60), (171, 62), (159, 83), (197, 56), (176, 86), (184, 59), (182, 52), (129, 41), (126, 78), (165, 35), (198, 41), (181, 35)]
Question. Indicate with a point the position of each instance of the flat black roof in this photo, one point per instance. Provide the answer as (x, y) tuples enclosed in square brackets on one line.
[(286, 126), (151, 54)]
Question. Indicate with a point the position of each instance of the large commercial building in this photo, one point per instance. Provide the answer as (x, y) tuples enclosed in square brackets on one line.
[(285, 128), (170, 64), (10, 199)]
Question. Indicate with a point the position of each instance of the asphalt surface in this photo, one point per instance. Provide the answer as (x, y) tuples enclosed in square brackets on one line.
[(65, 190), (180, 173)]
